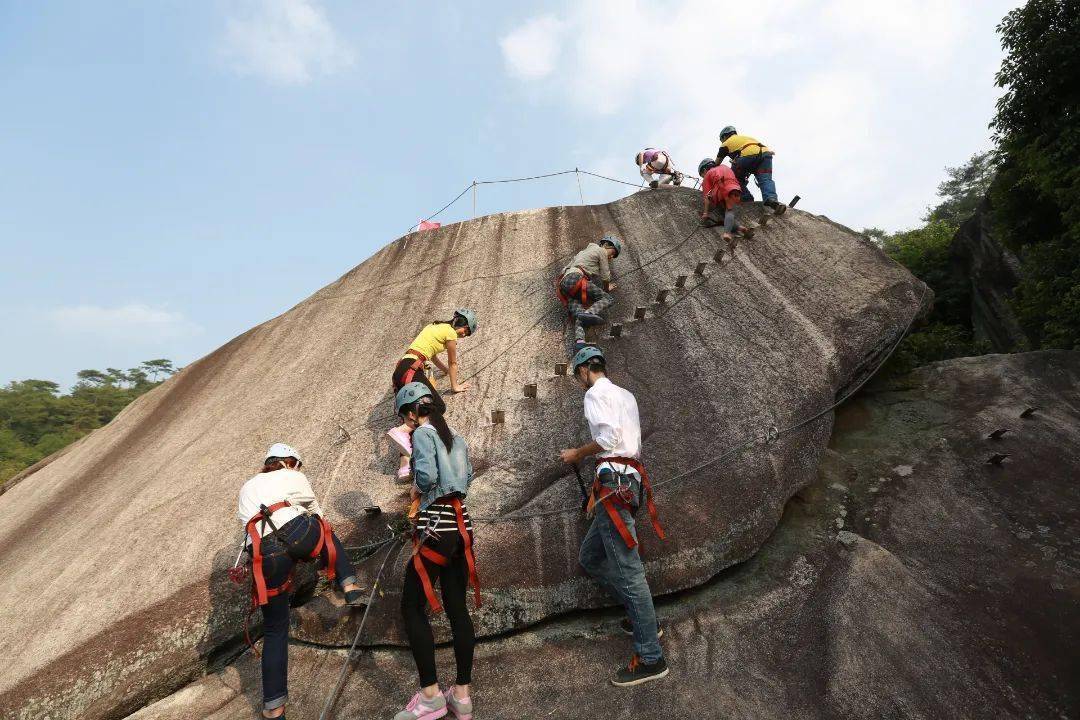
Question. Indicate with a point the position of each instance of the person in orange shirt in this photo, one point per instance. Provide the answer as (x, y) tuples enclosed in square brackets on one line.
[(720, 193)]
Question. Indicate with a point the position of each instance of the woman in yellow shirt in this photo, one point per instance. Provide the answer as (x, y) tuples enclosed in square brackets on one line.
[(435, 338)]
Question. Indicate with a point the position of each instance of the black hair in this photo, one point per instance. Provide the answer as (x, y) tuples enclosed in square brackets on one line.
[(274, 463), (426, 409), (457, 321), (595, 364)]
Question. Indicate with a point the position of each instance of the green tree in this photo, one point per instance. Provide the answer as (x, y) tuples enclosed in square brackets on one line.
[(36, 420), (1036, 195), (159, 367), (964, 190)]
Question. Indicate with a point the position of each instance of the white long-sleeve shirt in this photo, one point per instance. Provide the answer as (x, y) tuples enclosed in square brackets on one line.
[(612, 414), (273, 487)]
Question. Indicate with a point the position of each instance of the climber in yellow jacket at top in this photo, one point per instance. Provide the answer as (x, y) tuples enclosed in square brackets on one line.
[(750, 157)]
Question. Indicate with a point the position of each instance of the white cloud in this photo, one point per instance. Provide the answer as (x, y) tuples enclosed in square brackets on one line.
[(839, 88), (134, 322), (284, 41), (532, 51)]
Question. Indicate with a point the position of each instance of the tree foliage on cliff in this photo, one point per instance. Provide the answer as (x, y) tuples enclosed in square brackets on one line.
[(36, 420), (1036, 194)]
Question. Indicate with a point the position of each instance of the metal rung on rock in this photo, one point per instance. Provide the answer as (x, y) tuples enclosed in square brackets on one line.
[(764, 220), (719, 256), (560, 368), (616, 330), (700, 269), (530, 390), (498, 417), (680, 282), (639, 313), (661, 297), (794, 201)]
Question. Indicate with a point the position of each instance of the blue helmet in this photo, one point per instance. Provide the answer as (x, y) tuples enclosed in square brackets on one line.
[(613, 242), (586, 354), (470, 318), (409, 394)]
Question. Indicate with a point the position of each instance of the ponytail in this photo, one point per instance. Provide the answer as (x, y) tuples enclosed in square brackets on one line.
[(276, 463), (438, 422)]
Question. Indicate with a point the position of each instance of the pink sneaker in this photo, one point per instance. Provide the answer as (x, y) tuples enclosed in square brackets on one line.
[(402, 439), (460, 709), (422, 708)]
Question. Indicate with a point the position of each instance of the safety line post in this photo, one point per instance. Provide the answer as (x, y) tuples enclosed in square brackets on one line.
[(560, 368), (577, 174), (680, 282), (474, 199), (530, 390)]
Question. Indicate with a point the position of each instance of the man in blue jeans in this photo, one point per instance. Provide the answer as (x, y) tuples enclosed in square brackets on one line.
[(750, 157), (609, 551)]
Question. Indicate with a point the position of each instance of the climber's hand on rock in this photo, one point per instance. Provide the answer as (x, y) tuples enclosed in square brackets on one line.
[(569, 456)]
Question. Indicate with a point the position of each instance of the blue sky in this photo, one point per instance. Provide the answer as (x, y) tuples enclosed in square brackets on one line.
[(177, 172)]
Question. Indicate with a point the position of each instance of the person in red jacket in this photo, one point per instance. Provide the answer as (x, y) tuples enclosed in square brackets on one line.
[(720, 193)]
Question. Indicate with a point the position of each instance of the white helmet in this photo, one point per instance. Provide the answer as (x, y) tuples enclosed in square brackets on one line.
[(281, 450)]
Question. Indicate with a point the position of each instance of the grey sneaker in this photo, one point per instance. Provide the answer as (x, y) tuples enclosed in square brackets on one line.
[(423, 708), (460, 709), (637, 672), (628, 627)]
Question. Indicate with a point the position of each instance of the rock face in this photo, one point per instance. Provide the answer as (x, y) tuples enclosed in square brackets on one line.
[(992, 272), (952, 591), (114, 553)]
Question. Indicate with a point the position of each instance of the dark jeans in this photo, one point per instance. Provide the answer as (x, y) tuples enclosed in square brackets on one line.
[(760, 166), (302, 535), (419, 376), (454, 580), (619, 571)]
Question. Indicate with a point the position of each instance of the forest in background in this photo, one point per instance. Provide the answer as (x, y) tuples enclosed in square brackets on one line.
[(36, 419)]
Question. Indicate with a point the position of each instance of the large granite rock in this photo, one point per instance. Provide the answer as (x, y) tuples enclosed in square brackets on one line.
[(912, 580), (114, 553), (991, 272)]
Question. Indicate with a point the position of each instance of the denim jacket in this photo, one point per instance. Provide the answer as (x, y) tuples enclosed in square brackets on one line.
[(437, 472)]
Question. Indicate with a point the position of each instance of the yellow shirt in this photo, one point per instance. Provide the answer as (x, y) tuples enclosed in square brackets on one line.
[(736, 143), (432, 339)]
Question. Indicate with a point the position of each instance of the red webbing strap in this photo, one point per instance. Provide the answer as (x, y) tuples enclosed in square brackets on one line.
[(654, 514), (469, 557), (326, 537), (260, 593), (421, 550), (411, 372), (581, 286)]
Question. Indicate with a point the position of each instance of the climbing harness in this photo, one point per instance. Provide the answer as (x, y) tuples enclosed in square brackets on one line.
[(580, 287), (260, 593), (423, 552), (417, 366), (622, 496)]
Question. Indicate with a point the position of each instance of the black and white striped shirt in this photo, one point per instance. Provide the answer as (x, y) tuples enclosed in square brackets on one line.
[(441, 517)]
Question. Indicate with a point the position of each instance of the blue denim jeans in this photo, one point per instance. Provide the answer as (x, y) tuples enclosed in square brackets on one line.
[(618, 569), (760, 166), (302, 535)]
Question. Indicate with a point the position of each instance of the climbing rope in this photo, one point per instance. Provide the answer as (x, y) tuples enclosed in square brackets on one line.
[(344, 674), (767, 436)]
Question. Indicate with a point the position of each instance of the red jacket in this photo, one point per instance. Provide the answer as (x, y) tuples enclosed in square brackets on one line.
[(719, 182)]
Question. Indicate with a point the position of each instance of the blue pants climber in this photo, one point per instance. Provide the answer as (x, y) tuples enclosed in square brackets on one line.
[(760, 166)]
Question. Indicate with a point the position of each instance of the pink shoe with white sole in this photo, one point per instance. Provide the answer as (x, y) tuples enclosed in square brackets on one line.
[(422, 708), (459, 709)]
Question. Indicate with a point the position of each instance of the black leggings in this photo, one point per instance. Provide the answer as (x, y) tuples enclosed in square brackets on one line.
[(399, 375), (453, 579)]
